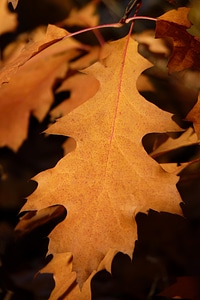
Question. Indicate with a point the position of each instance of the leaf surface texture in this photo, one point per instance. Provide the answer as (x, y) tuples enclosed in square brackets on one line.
[(109, 177)]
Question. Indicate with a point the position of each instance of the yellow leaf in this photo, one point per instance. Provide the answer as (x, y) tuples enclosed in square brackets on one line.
[(109, 177)]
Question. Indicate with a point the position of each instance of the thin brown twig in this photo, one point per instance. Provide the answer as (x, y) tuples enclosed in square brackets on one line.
[(131, 5)]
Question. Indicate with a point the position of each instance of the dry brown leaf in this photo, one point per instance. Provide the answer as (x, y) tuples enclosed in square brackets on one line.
[(8, 20), (186, 47), (109, 177)]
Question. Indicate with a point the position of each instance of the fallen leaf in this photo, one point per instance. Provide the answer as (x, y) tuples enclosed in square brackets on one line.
[(109, 177), (185, 53), (8, 20)]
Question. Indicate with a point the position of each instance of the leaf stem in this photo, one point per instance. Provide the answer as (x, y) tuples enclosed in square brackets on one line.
[(112, 25), (140, 18)]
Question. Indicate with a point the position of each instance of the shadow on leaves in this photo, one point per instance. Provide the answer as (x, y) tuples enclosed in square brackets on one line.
[(166, 253), (26, 254)]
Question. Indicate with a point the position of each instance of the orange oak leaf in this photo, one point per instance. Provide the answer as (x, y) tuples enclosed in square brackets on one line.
[(109, 177), (66, 283), (186, 48), (53, 35), (29, 91)]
